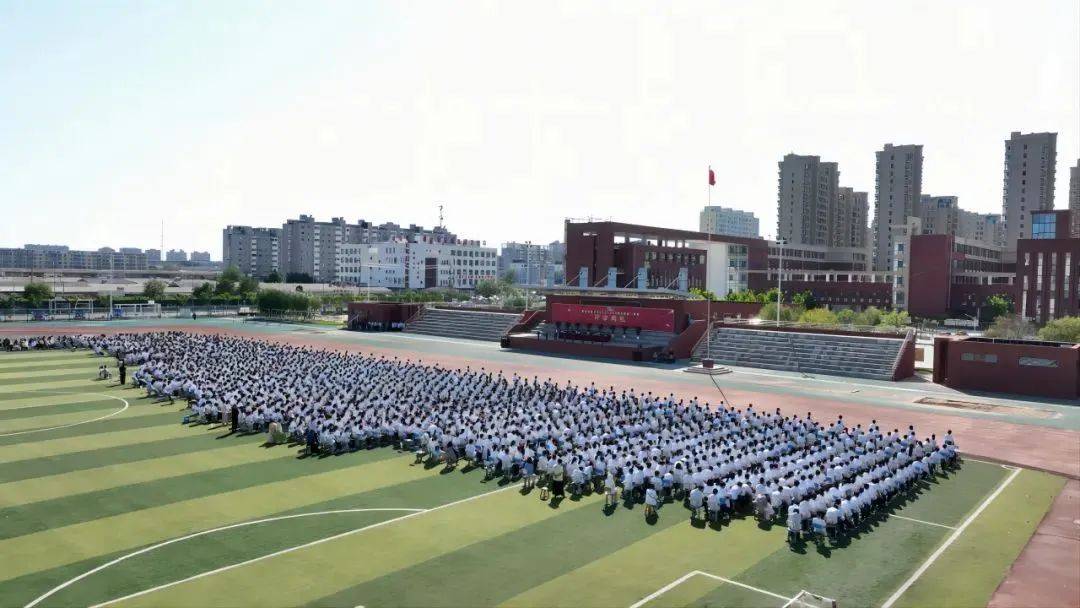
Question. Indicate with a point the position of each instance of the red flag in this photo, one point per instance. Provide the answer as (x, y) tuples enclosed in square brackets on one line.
[(712, 177)]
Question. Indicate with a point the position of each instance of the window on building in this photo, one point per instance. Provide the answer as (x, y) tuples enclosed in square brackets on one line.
[(982, 358), (1037, 362), (1043, 226)]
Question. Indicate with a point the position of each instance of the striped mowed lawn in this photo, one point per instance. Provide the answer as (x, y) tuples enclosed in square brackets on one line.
[(111, 497)]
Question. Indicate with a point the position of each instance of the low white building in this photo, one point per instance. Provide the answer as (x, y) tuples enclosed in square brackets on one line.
[(422, 263), (372, 264), (456, 263)]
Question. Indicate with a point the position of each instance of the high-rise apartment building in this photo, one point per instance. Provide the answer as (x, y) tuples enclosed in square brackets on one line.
[(806, 199), (722, 220), (849, 225), (311, 248), (153, 257), (1030, 159), (897, 192), (254, 251), (1074, 199)]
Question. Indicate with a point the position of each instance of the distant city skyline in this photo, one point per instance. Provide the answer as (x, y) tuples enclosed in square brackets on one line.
[(130, 115)]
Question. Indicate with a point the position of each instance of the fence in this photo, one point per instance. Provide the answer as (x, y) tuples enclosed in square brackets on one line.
[(105, 314)]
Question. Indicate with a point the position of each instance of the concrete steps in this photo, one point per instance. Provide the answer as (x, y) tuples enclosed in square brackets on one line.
[(854, 356), (474, 325)]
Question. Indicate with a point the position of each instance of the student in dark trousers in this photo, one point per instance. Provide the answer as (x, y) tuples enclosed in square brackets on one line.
[(123, 373), (234, 416)]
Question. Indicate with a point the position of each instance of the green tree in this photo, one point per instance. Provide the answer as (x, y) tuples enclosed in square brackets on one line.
[(895, 318), (487, 289), (37, 293), (818, 316), (766, 297), (870, 316), (1065, 329), (703, 294), (248, 287), (226, 283), (154, 289), (787, 313), (203, 293), (805, 299), (509, 277), (1011, 327), (995, 306), (273, 277), (845, 316)]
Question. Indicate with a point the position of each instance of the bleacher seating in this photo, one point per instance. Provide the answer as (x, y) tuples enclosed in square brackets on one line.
[(858, 356), (476, 325)]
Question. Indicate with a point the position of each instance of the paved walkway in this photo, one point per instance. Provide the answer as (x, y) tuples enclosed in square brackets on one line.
[(1047, 573)]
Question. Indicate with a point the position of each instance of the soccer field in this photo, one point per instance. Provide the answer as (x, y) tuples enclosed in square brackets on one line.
[(106, 498)]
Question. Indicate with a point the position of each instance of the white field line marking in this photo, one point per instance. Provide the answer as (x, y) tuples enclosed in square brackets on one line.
[(296, 548), (682, 579), (920, 521), (796, 598), (1004, 466), (64, 426), (744, 370), (949, 541), (196, 534), (661, 591)]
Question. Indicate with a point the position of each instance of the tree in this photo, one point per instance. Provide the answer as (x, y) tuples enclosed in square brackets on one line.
[(787, 313), (509, 277), (845, 316), (1065, 329), (226, 283), (818, 316), (36, 293), (203, 293), (273, 277), (154, 289), (870, 316), (248, 287), (274, 300), (997, 305), (739, 296), (487, 289), (768, 296), (804, 299), (1010, 326), (895, 318), (702, 294)]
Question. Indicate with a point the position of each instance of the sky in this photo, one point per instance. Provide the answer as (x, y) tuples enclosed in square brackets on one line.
[(118, 118)]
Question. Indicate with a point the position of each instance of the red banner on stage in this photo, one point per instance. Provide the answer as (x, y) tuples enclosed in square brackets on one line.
[(659, 319)]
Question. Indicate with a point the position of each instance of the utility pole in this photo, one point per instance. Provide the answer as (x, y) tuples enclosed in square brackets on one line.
[(779, 280)]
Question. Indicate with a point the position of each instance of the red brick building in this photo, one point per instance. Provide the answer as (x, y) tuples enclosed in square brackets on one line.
[(1047, 268)]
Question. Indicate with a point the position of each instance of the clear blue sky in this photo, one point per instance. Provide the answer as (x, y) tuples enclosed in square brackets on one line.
[(117, 116)]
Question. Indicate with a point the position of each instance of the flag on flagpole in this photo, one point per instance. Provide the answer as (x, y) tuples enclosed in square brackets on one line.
[(712, 177)]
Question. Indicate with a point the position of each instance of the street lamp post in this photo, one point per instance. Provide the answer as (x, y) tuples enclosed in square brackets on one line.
[(779, 280)]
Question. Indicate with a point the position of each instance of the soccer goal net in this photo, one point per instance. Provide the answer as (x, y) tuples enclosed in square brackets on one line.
[(805, 599), (135, 311)]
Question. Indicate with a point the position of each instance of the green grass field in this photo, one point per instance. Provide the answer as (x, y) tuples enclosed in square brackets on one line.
[(105, 496)]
